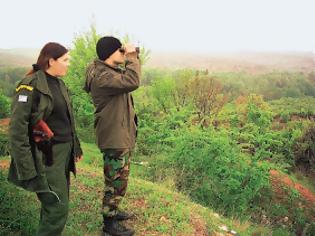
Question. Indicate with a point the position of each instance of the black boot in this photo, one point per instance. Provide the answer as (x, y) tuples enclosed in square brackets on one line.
[(122, 215), (114, 228)]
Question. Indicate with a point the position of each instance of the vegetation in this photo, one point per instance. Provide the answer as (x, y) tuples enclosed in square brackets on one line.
[(231, 142), (158, 211)]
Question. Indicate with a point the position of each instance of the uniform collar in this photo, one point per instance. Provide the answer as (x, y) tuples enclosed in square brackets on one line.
[(42, 84)]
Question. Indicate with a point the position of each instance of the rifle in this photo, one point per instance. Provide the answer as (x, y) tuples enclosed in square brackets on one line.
[(42, 136)]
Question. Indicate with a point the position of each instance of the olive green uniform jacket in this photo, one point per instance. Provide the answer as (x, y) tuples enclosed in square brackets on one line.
[(115, 118), (27, 168)]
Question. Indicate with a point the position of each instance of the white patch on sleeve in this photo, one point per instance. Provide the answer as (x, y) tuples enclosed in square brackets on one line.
[(22, 98)]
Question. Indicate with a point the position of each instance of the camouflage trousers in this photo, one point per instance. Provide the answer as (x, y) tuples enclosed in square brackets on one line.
[(116, 172)]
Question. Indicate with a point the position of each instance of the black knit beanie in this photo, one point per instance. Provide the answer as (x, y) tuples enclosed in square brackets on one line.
[(106, 46)]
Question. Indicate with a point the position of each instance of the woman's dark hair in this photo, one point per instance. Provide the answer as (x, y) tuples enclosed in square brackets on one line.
[(50, 50)]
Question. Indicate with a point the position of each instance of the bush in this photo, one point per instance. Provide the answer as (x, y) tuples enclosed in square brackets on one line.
[(304, 149), (158, 133), (211, 169), (5, 106)]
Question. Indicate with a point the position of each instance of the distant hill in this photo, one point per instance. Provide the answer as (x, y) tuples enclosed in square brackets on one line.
[(252, 62), (18, 57)]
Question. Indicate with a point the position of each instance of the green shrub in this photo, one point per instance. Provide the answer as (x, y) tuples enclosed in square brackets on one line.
[(304, 149), (211, 169), (4, 105), (157, 132)]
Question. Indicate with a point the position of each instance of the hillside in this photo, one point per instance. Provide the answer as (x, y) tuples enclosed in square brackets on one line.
[(17, 57), (158, 210), (249, 158)]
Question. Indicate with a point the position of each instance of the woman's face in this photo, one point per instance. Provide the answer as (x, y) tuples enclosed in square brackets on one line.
[(60, 66)]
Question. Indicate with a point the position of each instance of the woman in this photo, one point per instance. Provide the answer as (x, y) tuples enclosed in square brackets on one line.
[(44, 146)]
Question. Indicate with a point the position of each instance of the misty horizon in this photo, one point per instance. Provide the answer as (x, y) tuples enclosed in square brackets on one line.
[(174, 26)]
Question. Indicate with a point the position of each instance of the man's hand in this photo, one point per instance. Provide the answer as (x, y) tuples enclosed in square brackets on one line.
[(130, 49), (78, 158)]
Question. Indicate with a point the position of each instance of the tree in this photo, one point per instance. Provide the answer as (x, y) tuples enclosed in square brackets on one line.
[(82, 53), (162, 90), (207, 98)]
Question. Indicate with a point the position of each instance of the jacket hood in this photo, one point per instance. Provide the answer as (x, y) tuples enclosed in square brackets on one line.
[(89, 76)]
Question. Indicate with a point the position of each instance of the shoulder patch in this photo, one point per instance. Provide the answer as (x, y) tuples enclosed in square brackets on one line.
[(27, 87), (22, 98)]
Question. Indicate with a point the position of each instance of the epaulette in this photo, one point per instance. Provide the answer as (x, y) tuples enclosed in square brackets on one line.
[(26, 83), (22, 86)]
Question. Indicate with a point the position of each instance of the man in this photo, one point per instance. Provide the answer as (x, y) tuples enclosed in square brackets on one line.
[(115, 122)]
